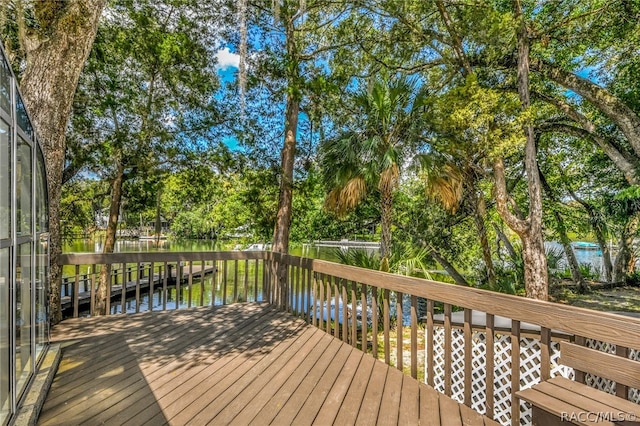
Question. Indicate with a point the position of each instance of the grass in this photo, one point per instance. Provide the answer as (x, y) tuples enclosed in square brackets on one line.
[(406, 349), (621, 299)]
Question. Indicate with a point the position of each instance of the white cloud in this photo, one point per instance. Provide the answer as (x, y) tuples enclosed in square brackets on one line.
[(226, 59)]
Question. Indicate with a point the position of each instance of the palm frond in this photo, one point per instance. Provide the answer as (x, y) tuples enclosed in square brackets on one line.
[(341, 199)]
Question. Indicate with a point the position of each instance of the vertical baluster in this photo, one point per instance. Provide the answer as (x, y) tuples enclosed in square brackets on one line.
[(152, 282), (309, 303), (545, 353), (289, 285), (515, 372), (345, 311), (468, 315), (414, 336), (622, 391), (109, 280), (429, 346), (328, 280), (365, 328), (336, 308), (321, 306), (214, 282), (235, 281), (447, 349), (224, 282), (76, 293), (202, 277), (178, 285), (399, 332), (123, 292), (489, 364), (255, 280), (138, 287), (579, 376), (246, 280), (265, 283), (374, 321), (164, 286), (354, 315), (300, 290), (314, 294), (190, 284), (295, 283), (92, 291), (386, 325)]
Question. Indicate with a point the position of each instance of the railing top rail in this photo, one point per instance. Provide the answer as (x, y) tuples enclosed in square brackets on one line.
[(597, 325), (134, 257)]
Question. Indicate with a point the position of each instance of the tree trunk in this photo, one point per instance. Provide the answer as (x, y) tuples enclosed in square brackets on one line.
[(54, 60), (283, 218), (158, 224), (451, 270), (110, 240), (606, 255), (536, 278), (574, 267), (625, 252), (484, 243), (506, 242), (386, 212)]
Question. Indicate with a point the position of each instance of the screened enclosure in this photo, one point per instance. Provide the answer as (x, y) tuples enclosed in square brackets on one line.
[(24, 253)]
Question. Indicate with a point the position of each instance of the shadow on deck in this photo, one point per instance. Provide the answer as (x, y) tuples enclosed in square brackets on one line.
[(236, 364)]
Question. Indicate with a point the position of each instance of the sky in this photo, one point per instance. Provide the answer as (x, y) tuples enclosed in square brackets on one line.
[(227, 66)]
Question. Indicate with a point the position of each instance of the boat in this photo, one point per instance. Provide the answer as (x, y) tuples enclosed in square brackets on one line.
[(582, 245)]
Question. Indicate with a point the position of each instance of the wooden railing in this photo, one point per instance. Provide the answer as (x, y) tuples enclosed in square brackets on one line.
[(161, 281), (388, 316), (368, 309)]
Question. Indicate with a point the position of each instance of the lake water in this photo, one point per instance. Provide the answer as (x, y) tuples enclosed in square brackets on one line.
[(212, 292), (96, 246)]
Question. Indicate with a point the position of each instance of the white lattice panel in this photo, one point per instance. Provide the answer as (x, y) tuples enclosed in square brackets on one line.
[(529, 370), (478, 385)]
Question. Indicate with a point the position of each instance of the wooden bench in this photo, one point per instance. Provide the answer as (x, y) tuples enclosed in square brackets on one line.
[(560, 401)]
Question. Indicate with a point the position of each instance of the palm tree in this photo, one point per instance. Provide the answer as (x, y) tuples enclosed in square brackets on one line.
[(369, 155), (454, 179)]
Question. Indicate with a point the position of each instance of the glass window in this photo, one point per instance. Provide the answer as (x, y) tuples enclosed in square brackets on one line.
[(23, 186), (23, 317), (5, 86), (42, 198), (21, 116), (5, 279), (5, 181), (42, 300)]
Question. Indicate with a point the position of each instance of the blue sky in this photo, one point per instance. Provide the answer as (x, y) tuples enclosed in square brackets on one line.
[(227, 67)]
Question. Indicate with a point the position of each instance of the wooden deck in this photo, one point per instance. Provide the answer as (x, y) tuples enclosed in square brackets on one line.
[(235, 364)]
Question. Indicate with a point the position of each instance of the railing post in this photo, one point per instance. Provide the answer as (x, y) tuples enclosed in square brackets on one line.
[(76, 290)]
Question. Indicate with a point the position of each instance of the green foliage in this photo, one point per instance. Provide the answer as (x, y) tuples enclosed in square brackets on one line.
[(409, 261)]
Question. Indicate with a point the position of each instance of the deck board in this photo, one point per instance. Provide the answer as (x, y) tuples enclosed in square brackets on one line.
[(236, 364)]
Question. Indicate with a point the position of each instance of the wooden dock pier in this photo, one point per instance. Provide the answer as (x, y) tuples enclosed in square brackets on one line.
[(87, 281)]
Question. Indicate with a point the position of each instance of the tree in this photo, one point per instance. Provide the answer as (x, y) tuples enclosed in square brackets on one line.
[(530, 229), (52, 43), (144, 112), (371, 153)]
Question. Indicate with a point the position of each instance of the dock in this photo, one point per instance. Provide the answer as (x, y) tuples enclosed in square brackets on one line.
[(85, 282)]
